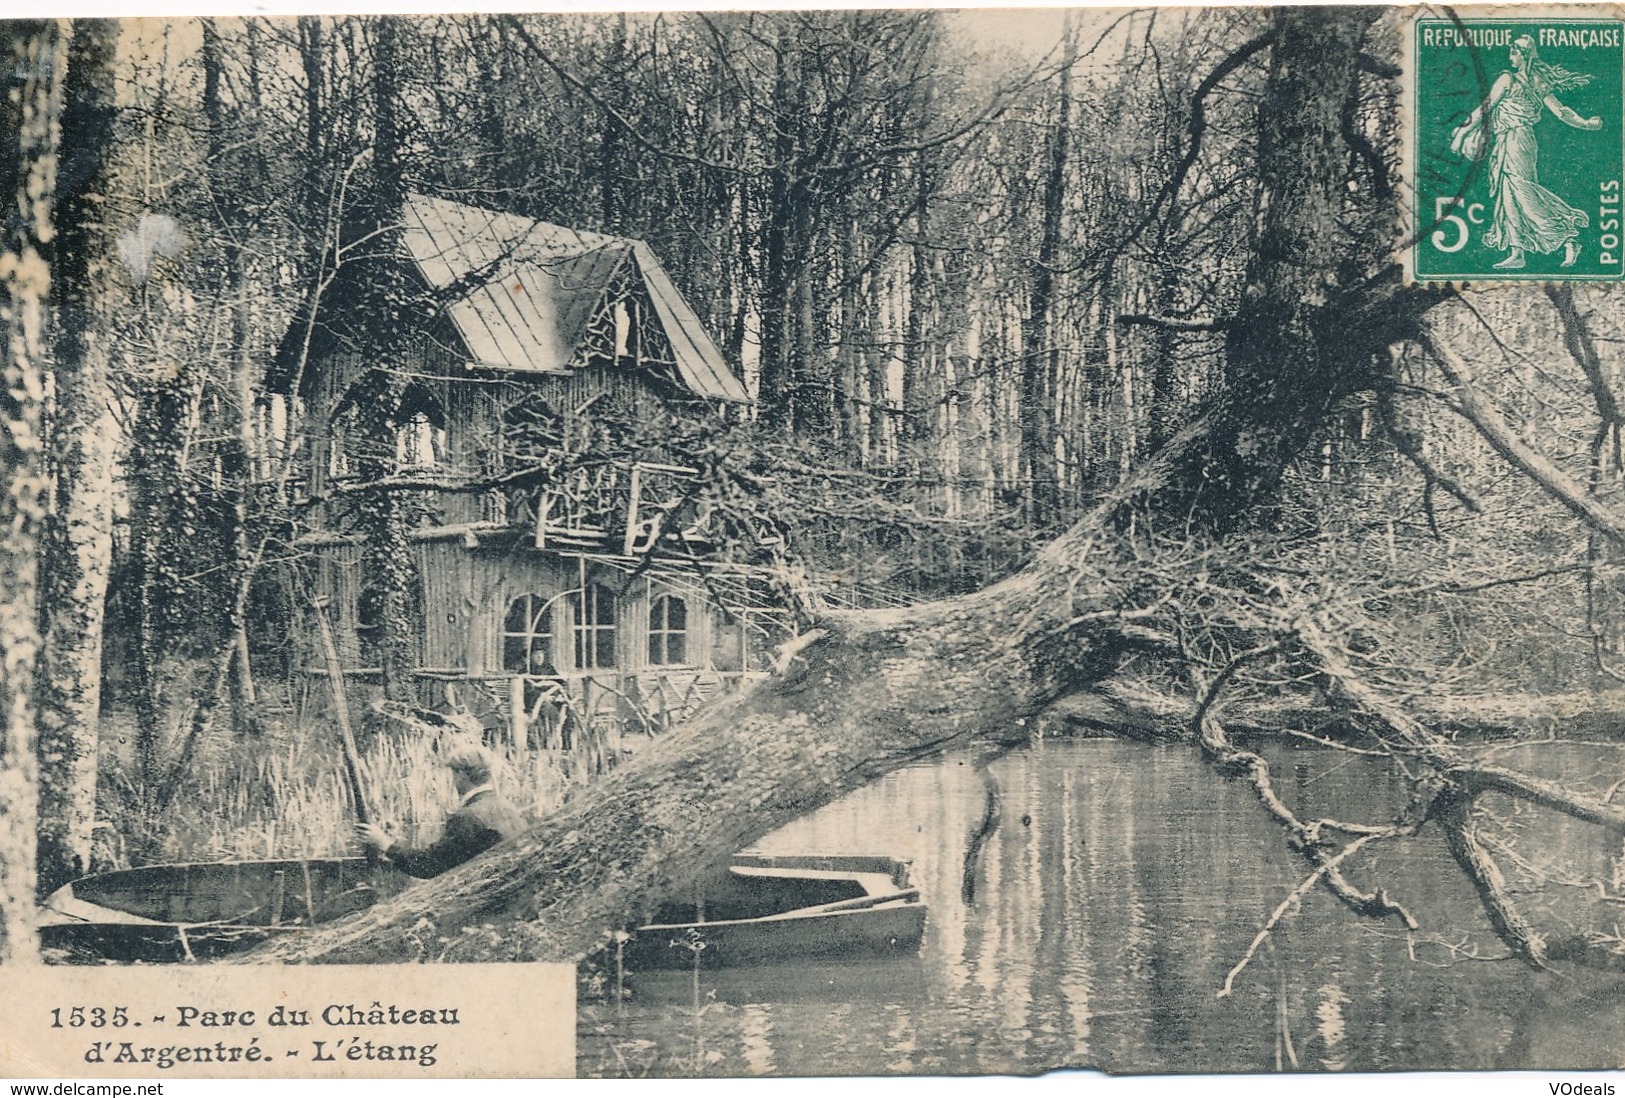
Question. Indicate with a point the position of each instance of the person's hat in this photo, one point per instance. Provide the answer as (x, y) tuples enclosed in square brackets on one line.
[(471, 759)]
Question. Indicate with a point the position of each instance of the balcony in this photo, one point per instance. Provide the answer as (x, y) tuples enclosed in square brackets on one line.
[(628, 508)]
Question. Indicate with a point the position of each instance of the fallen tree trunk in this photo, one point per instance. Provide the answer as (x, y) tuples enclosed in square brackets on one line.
[(863, 695), (1119, 706)]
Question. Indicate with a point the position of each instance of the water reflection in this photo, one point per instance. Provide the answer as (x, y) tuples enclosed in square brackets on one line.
[(1122, 884)]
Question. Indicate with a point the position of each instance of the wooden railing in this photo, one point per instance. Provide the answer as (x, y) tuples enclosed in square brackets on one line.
[(618, 506)]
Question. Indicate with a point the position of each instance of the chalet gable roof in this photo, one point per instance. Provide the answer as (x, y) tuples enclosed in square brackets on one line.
[(523, 291)]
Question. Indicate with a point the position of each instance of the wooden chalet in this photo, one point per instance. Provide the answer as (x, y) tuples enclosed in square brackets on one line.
[(557, 588)]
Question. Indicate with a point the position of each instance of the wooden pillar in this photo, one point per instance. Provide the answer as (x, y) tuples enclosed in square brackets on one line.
[(517, 717)]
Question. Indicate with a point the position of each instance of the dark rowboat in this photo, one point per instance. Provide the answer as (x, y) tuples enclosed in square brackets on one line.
[(201, 910), (764, 908), (769, 908)]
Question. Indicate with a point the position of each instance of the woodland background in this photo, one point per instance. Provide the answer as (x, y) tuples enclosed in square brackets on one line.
[(1133, 288)]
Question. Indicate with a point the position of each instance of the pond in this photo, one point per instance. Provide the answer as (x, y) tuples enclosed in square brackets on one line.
[(1123, 882)]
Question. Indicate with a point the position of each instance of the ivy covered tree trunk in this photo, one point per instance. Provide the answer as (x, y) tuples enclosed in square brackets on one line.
[(386, 557), (29, 106), (1300, 340), (79, 541), (776, 393), (158, 512)]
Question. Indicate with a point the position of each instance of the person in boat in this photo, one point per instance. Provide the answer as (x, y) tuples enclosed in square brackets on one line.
[(480, 821)]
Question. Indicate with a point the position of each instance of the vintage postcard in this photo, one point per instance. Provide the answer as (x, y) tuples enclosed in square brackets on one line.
[(896, 542)]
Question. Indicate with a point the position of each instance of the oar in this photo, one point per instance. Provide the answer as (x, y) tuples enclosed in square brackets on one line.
[(341, 705), (861, 903)]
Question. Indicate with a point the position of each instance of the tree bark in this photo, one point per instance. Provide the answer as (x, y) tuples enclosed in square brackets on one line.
[(388, 568), (79, 542), (29, 108), (227, 178), (1127, 707), (1303, 337), (1040, 357), (775, 395), (852, 267), (877, 389), (609, 149), (155, 489), (312, 197)]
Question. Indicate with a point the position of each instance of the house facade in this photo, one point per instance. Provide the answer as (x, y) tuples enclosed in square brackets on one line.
[(565, 578)]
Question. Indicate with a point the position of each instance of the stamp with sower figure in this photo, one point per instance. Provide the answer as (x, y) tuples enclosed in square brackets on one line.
[(1517, 146)]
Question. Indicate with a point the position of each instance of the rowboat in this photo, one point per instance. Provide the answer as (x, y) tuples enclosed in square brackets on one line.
[(202, 910), (764, 908), (781, 907)]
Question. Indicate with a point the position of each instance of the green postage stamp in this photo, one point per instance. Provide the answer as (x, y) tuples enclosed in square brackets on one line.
[(1517, 144)]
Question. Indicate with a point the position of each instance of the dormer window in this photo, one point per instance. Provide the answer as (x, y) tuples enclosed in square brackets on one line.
[(623, 330)]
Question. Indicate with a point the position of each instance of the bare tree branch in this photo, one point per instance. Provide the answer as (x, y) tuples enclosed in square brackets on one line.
[(1470, 854), (1507, 442)]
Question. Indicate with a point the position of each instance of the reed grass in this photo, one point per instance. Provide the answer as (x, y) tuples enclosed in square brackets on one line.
[(284, 794)]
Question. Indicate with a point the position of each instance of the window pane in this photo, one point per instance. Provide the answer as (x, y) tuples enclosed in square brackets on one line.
[(513, 654), (668, 625), (527, 636), (595, 627)]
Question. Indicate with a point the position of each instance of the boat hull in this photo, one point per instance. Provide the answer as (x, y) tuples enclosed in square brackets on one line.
[(776, 908), (879, 932), (203, 910), (763, 909)]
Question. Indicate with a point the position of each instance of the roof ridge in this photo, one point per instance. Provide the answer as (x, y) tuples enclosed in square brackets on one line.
[(590, 239), (523, 292)]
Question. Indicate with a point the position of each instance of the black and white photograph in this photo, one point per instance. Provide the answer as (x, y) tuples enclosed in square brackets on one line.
[(664, 544)]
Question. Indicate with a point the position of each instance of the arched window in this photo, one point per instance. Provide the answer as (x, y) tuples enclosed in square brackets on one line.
[(419, 444), (420, 431), (668, 631), (527, 636), (595, 627)]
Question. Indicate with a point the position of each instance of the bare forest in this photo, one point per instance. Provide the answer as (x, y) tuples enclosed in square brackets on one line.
[(1082, 395)]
